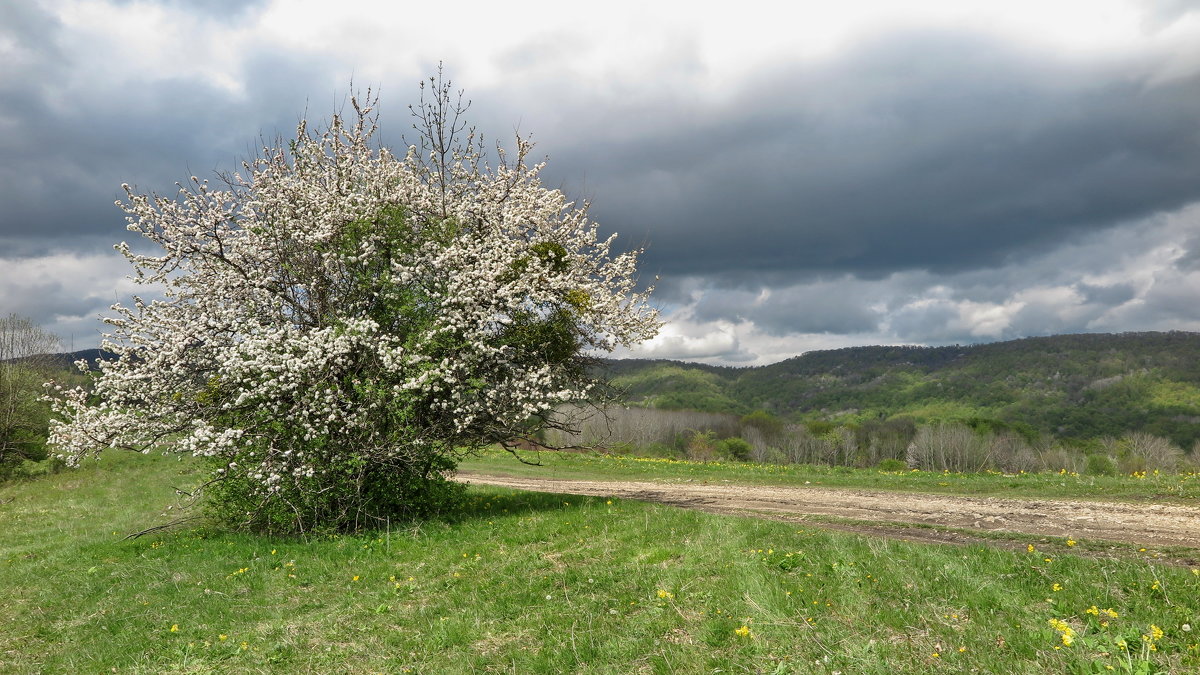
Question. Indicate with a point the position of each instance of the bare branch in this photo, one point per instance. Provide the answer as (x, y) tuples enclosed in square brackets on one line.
[(160, 528)]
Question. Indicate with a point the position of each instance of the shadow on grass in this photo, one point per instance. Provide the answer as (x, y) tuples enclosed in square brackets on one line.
[(484, 502), (479, 503)]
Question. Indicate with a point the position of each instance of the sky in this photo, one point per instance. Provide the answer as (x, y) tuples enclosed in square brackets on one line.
[(830, 175)]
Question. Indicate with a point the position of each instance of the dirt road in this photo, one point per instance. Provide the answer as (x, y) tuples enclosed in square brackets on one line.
[(1151, 525)]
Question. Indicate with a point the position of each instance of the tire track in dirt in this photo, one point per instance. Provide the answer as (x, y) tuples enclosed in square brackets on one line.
[(1144, 524)]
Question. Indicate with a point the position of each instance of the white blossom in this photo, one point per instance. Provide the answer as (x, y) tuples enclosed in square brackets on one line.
[(336, 294)]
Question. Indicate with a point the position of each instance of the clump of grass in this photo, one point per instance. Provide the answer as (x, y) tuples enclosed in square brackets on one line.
[(531, 582)]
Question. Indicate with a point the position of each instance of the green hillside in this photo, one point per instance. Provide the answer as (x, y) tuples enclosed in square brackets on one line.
[(1070, 386), (673, 385)]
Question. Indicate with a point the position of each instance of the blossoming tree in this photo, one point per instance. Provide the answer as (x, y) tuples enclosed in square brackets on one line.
[(341, 324)]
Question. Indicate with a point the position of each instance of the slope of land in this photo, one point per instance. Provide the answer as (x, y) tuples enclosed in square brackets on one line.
[(530, 582), (1073, 386)]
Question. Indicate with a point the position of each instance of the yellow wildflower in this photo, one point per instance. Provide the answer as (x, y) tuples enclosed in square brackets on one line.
[(1067, 633), (174, 628), (1061, 626), (744, 631)]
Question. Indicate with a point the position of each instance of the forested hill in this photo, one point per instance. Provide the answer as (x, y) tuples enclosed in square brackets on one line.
[(1071, 386), (67, 360)]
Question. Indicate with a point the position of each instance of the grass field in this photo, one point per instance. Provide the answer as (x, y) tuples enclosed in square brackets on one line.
[(1183, 488), (525, 582)]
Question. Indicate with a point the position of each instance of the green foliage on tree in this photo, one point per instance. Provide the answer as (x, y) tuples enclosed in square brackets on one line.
[(764, 421), (734, 448)]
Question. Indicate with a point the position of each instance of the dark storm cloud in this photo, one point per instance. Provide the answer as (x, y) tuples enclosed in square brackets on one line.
[(1190, 259), (840, 306), (72, 144), (1134, 276), (1108, 296), (925, 151), (68, 143), (933, 323), (1171, 300)]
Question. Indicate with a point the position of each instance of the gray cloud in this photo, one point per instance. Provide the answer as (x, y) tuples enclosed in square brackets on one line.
[(1160, 14), (928, 151), (215, 10), (920, 151), (824, 306), (1107, 296), (932, 322), (65, 162), (66, 293), (1134, 276)]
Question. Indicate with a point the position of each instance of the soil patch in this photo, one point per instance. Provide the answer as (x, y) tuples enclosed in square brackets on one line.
[(1149, 525)]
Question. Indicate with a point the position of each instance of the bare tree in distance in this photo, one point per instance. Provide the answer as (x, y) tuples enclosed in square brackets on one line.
[(25, 355)]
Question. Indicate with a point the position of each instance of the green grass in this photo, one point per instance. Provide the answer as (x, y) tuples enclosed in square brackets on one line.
[(1182, 488), (528, 582)]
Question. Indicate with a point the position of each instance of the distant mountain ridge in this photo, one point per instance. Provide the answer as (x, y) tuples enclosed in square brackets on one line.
[(66, 359), (1072, 386), (92, 356)]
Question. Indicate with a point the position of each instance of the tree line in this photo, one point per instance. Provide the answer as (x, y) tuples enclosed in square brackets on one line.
[(894, 444)]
